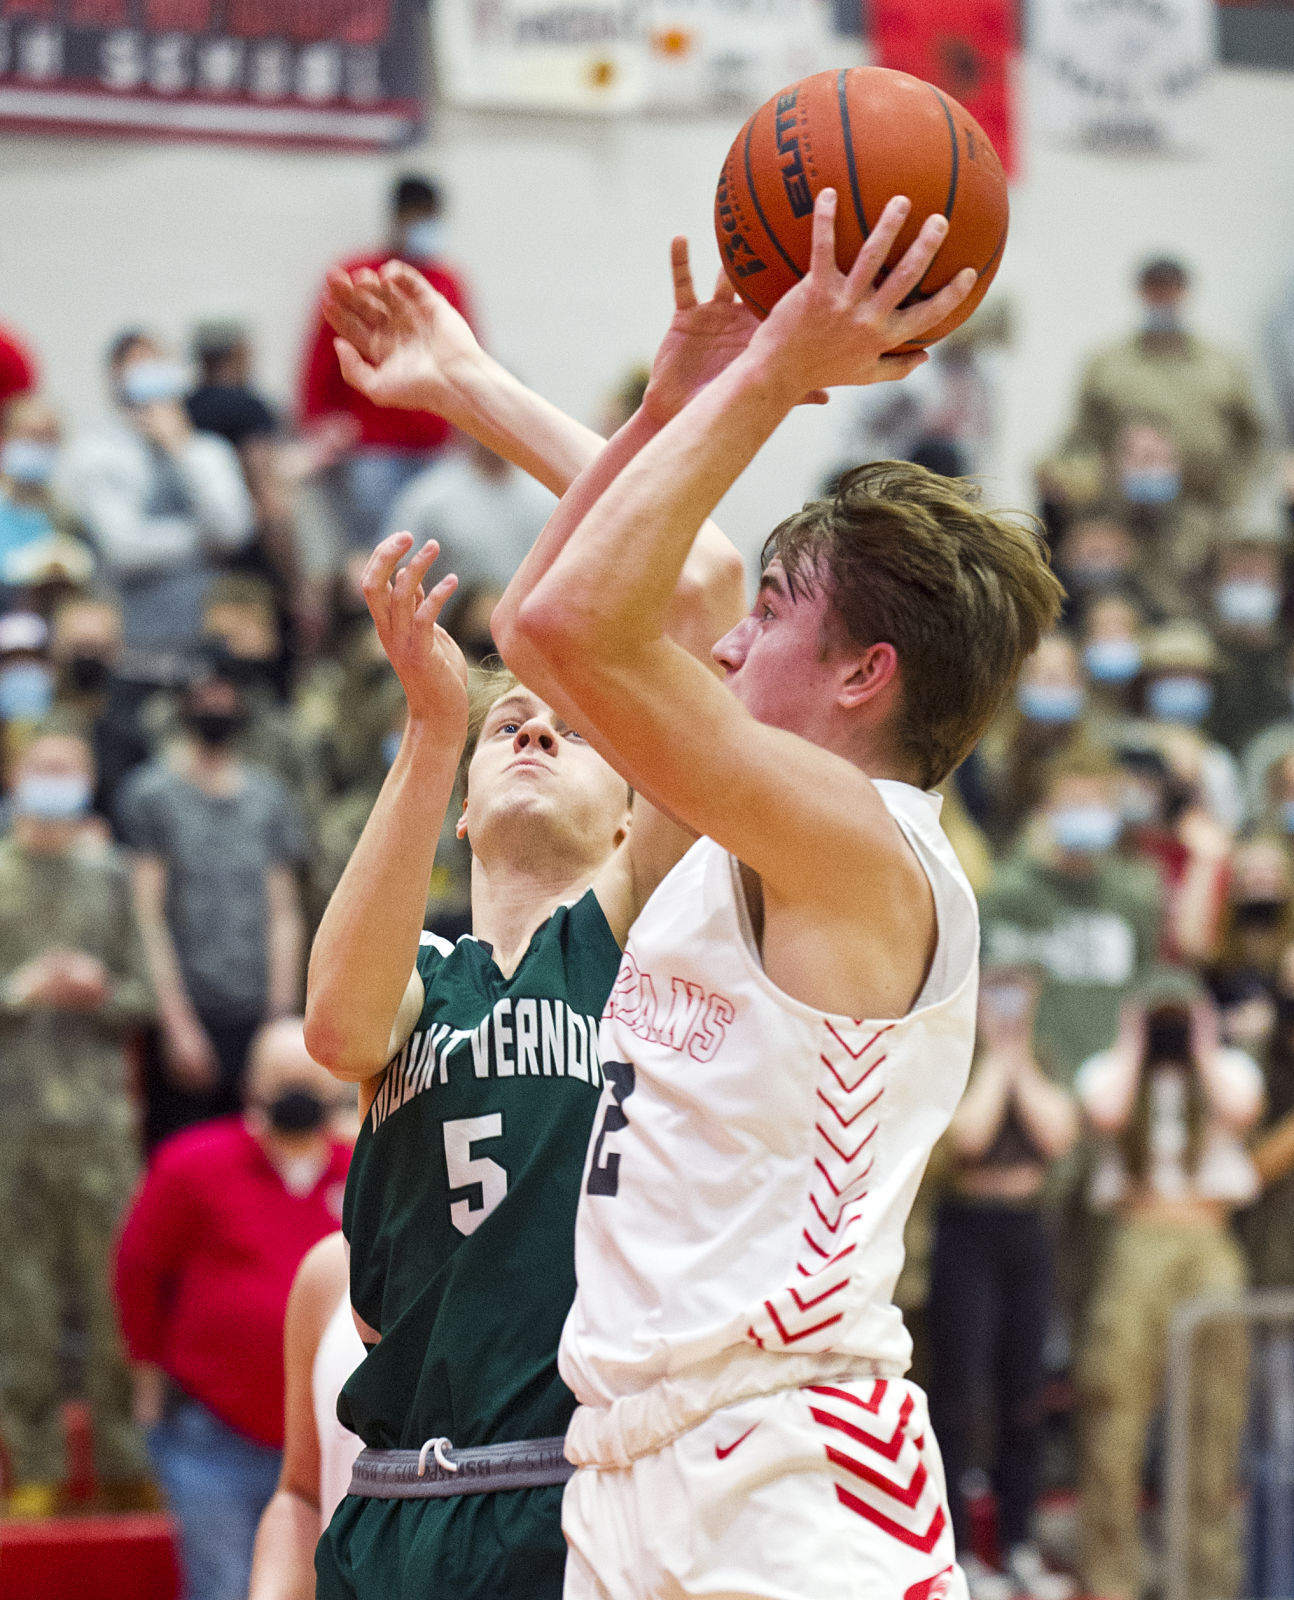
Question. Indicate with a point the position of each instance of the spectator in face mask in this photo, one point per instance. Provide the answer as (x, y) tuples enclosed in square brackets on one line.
[(162, 503), (1172, 1107), (1248, 592), (1067, 903), (204, 1268), (73, 987), (1259, 924), (1175, 536), (1046, 720), (393, 446), (35, 529), (1200, 393), (1166, 826), (1177, 690), (85, 652), (1110, 646), (217, 843)]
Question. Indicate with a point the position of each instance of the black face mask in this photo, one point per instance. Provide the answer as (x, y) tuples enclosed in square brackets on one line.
[(297, 1111), (89, 674), (247, 670), (1259, 914), (1168, 1037), (213, 728)]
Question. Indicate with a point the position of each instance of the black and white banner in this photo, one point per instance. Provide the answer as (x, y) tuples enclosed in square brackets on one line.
[(1121, 74), (279, 72), (630, 55)]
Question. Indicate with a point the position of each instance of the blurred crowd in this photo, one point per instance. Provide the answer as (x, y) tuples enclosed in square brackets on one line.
[(195, 719)]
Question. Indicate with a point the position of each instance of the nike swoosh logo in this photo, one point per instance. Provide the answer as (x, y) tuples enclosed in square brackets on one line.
[(722, 1452)]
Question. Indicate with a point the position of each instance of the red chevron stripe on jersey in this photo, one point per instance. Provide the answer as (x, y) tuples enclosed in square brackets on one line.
[(894, 1489), (844, 1154)]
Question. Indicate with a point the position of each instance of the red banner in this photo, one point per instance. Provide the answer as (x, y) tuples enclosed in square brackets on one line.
[(966, 47)]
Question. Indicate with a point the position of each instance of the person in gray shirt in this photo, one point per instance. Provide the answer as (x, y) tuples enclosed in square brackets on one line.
[(162, 503), (216, 843)]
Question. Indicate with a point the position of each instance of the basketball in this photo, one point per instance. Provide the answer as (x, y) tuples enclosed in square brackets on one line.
[(869, 133)]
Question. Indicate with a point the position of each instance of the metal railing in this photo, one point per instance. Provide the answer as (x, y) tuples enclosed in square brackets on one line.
[(1260, 1308)]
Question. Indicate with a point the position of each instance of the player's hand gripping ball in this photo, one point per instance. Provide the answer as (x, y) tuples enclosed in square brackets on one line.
[(868, 133)]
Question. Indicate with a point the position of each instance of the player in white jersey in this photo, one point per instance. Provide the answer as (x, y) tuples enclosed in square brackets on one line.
[(793, 1020)]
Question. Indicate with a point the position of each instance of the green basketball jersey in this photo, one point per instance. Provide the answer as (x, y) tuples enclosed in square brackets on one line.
[(460, 1205)]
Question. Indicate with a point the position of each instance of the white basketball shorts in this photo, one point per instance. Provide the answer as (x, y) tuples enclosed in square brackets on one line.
[(831, 1492)]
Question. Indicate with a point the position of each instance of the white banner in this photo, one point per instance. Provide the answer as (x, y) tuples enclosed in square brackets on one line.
[(1121, 74), (630, 55)]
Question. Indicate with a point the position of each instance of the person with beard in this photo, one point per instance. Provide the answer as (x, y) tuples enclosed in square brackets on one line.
[(217, 842), (205, 1264), (1172, 1107)]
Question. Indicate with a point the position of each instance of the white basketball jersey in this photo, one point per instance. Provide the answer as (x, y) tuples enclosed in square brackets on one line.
[(740, 1227), (339, 1352)]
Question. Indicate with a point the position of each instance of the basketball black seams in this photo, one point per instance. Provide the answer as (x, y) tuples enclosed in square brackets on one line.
[(759, 210), (842, 97), (956, 155)]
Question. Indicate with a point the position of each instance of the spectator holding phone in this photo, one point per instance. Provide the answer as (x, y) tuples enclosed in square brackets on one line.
[(990, 1280)]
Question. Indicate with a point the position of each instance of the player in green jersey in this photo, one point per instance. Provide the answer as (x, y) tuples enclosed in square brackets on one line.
[(478, 1061)]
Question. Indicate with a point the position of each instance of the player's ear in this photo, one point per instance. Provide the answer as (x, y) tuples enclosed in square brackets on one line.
[(866, 673), (460, 827)]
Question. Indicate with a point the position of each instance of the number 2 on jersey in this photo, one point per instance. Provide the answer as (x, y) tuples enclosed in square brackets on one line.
[(604, 1176), (466, 1171)]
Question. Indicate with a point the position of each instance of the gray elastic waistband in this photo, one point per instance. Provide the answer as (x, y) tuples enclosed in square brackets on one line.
[(393, 1474)]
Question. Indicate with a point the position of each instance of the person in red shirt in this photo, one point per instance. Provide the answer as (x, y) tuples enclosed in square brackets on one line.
[(204, 1266), (393, 445), (17, 366)]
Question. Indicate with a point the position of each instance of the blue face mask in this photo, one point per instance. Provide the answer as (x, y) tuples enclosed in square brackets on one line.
[(1247, 600), (1151, 486), (390, 749), (1287, 815), (1180, 699), (1161, 319), (51, 798), (145, 382), (1138, 806), (28, 460), (26, 691), (1112, 660), (425, 240), (1087, 830), (1050, 702)]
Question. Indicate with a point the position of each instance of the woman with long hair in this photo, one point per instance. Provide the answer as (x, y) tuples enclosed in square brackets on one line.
[(1171, 1105)]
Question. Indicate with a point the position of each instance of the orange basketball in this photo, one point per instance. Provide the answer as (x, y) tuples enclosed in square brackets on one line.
[(869, 133)]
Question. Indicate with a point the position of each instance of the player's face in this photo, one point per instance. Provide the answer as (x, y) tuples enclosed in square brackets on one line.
[(530, 770), (775, 660)]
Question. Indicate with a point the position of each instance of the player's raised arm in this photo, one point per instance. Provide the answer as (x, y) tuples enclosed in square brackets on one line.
[(363, 994), (800, 813)]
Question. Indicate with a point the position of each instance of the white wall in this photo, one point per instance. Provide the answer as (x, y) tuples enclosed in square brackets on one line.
[(564, 227)]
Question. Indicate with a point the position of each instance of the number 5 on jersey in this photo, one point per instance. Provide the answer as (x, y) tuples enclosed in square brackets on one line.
[(463, 1170), (604, 1176)]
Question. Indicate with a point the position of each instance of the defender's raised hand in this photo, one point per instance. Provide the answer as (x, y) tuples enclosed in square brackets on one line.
[(703, 337), (838, 328), (428, 663), (399, 341)]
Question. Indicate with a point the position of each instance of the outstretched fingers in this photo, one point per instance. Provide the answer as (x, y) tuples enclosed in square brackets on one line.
[(876, 250), (681, 268), (822, 251), (406, 589), (428, 613), (375, 584), (927, 314), (912, 266)]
